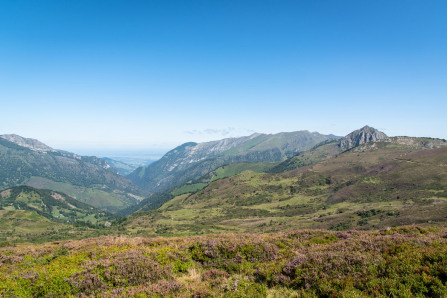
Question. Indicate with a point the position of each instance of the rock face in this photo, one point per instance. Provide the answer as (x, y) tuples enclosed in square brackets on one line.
[(192, 160), (32, 144), (361, 136)]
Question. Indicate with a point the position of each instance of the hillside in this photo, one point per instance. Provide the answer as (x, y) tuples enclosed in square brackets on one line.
[(191, 161), (122, 167), (52, 205), (398, 262), (390, 182), (155, 200), (324, 150), (37, 215), (88, 179), (330, 148)]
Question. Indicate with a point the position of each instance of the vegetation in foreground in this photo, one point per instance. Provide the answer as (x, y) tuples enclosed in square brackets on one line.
[(398, 262)]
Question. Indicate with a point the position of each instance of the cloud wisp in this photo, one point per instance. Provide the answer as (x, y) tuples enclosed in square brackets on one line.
[(224, 132)]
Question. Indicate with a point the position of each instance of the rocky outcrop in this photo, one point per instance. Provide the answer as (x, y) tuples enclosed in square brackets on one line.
[(361, 136), (32, 144)]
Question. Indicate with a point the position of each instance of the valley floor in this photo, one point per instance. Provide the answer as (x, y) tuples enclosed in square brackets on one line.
[(405, 261)]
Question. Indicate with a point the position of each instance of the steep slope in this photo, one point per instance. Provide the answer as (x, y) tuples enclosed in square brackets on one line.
[(52, 205), (390, 182), (191, 160), (330, 148), (155, 200), (361, 136), (122, 167), (89, 179), (32, 144)]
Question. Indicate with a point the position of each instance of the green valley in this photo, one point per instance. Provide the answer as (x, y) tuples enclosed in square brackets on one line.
[(90, 179), (391, 182)]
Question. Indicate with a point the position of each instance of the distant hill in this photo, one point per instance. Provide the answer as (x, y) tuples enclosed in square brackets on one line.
[(122, 167), (32, 144), (52, 205), (89, 179), (127, 164), (392, 181), (37, 215), (192, 160)]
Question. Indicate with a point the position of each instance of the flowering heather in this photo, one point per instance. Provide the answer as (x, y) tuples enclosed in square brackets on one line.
[(406, 262)]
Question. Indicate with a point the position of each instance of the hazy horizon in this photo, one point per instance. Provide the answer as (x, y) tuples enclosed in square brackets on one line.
[(156, 152)]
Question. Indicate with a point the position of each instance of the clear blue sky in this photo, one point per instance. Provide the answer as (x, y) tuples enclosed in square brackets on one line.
[(154, 74)]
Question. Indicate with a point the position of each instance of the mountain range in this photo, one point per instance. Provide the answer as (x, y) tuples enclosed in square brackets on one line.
[(389, 181), (192, 160), (257, 183), (89, 179)]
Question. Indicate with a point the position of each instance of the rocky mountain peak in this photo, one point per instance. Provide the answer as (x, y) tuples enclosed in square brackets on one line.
[(361, 136), (32, 144)]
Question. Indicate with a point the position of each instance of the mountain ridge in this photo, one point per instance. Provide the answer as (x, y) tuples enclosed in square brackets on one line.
[(29, 143), (330, 148), (88, 177), (193, 160), (389, 182)]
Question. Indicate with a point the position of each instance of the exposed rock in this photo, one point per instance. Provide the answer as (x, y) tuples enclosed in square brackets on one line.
[(32, 144), (361, 136)]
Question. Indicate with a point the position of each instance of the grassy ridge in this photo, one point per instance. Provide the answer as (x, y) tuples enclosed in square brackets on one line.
[(400, 262), (38, 215), (19, 226), (98, 196), (376, 185), (53, 205), (223, 172)]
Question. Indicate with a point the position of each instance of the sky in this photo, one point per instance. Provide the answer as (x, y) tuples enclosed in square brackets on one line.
[(87, 75)]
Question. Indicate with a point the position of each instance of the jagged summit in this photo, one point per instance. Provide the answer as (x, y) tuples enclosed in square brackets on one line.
[(32, 144), (361, 136)]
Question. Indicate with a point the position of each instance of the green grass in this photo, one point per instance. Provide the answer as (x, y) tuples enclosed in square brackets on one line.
[(329, 195), (223, 172), (409, 261), (98, 197), (188, 188)]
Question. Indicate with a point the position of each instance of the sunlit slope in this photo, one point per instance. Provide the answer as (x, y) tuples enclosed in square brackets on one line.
[(89, 179), (390, 182), (52, 205), (406, 261), (191, 161)]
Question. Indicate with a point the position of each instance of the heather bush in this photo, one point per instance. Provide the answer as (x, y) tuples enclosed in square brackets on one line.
[(132, 268), (87, 283), (9, 260), (213, 274), (399, 262), (228, 253)]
